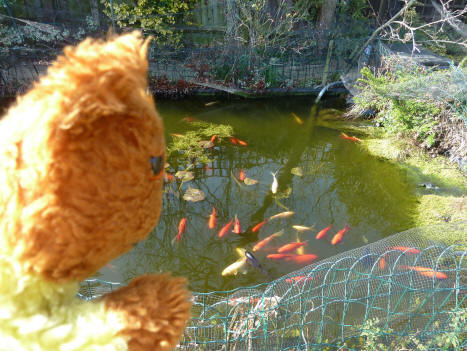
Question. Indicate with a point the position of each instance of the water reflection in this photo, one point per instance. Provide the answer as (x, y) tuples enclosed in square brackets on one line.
[(340, 184)]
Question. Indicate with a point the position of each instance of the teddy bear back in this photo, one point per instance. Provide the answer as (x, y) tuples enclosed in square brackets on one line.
[(82, 160)]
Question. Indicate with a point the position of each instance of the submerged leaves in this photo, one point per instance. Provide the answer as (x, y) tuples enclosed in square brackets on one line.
[(185, 176), (194, 195), (250, 181), (297, 171)]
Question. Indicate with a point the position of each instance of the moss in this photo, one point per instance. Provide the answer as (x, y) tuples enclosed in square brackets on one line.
[(448, 204)]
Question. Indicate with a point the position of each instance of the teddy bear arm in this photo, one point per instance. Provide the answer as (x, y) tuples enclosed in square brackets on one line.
[(155, 309)]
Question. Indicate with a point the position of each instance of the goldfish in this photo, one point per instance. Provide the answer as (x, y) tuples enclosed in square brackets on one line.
[(323, 232), (177, 135), (282, 215), (298, 279), (259, 245), (213, 138), (351, 138), (427, 272), (337, 239), (405, 249), (382, 263), (302, 259), (234, 268), (279, 256), (212, 219), (241, 142), (211, 103), (225, 229), (233, 140), (254, 262), (189, 119), (302, 228), (236, 228), (297, 119), (168, 177), (274, 184), (339, 235), (259, 225), (181, 229), (241, 176), (291, 247)]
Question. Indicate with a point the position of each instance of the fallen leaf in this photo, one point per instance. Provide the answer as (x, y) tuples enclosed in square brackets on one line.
[(194, 195), (185, 176), (206, 144), (249, 181), (297, 171)]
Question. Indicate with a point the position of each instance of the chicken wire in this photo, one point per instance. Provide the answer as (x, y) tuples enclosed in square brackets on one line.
[(376, 297)]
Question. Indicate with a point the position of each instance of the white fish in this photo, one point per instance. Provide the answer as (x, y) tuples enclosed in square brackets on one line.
[(282, 215), (234, 268), (302, 228), (274, 184)]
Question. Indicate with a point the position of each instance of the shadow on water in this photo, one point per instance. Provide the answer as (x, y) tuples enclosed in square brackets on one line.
[(341, 184)]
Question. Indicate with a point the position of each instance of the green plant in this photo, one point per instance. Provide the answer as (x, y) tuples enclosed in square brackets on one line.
[(157, 16), (189, 145)]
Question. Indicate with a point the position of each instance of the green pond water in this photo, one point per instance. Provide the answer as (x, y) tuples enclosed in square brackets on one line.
[(341, 184)]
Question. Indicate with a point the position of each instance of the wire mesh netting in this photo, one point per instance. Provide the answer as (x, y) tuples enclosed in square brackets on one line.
[(403, 292)]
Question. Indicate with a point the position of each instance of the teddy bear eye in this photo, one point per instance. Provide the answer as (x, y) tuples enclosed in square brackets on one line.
[(156, 164)]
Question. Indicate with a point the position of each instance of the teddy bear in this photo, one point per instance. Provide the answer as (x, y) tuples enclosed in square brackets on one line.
[(82, 159)]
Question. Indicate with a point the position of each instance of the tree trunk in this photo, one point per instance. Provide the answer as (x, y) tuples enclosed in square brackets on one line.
[(325, 22), (231, 22), (95, 13)]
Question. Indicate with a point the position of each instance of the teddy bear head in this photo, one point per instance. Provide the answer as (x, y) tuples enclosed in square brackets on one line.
[(82, 157)]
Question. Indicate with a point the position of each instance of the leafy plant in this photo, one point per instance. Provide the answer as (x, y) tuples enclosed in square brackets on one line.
[(157, 16), (189, 146)]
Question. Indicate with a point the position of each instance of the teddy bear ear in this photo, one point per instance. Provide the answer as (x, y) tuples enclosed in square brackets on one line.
[(99, 78)]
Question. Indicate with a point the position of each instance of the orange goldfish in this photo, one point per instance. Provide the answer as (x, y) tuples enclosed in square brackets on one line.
[(237, 229), (241, 176), (291, 247), (189, 119), (279, 256), (212, 219), (177, 135), (258, 226), (382, 263), (168, 177), (213, 138), (339, 235), (181, 229), (427, 272), (302, 259), (265, 241), (299, 279), (405, 249), (233, 140), (225, 229), (241, 142), (323, 232), (351, 138)]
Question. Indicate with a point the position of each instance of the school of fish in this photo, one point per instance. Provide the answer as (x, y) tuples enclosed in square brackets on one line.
[(292, 251)]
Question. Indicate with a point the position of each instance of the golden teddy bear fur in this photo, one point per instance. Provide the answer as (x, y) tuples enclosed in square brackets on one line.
[(77, 189)]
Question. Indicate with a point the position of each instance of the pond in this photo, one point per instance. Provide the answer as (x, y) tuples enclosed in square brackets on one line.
[(324, 179)]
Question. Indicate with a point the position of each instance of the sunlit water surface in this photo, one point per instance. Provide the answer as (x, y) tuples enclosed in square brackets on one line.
[(341, 184)]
